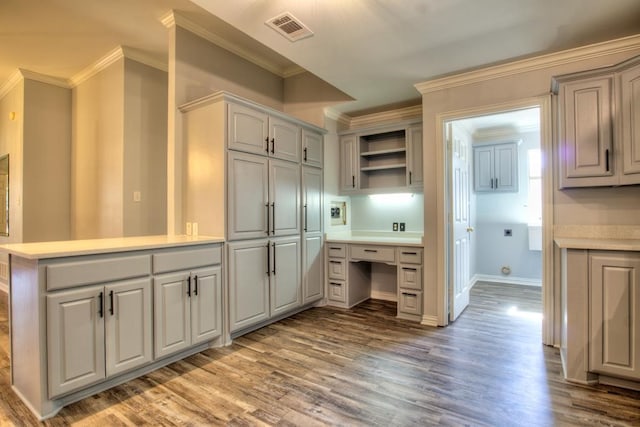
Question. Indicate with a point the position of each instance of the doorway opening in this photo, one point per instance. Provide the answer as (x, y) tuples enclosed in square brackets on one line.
[(493, 197)]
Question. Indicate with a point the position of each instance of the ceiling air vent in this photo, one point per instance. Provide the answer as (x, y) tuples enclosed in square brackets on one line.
[(289, 26)]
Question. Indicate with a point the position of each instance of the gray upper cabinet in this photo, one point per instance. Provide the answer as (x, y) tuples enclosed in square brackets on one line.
[(348, 164), (312, 148), (311, 199), (254, 131), (414, 155), (495, 168), (599, 116)]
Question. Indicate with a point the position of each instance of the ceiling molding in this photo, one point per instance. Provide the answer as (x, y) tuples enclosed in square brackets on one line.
[(340, 118), (174, 18), (396, 115), (93, 69), (15, 78), (531, 64), (293, 71), (143, 58)]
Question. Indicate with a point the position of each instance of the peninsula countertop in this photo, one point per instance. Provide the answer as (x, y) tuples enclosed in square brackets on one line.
[(59, 249), (377, 238)]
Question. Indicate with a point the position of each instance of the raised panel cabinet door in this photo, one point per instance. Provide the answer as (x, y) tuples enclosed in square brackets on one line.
[(506, 167), (249, 270), (630, 123), (206, 304), (312, 269), (349, 180), (615, 314), (248, 130), (312, 148), (172, 316), (284, 195), (75, 339), (286, 282), (284, 139), (311, 199), (128, 325), (483, 168), (248, 206), (586, 139), (414, 160)]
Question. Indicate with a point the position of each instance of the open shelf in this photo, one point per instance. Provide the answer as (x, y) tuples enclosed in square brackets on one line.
[(383, 152), (378, 168)]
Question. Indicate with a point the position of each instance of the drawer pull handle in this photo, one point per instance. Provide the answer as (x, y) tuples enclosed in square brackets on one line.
[(335, 284), (100, 305), (409, 253), (195, 285), (111, 303), (189, 286), (371, 250), (335, 262), (409, 268), (335, 249), (409, 294)]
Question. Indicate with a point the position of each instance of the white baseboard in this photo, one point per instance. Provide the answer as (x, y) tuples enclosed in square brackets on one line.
[(506, 279), (385, 296)]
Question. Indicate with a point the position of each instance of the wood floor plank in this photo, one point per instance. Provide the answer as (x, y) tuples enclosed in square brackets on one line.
[(359, 367)]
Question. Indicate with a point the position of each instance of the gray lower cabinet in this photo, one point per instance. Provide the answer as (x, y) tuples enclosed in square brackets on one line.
[(615, 314), (97, 332), (187, 309), (264, 280), (313, 269)]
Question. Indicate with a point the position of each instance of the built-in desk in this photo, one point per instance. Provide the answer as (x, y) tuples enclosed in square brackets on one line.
[(349, 266)]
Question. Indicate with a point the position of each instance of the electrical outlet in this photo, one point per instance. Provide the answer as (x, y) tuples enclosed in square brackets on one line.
[(395, 226), (402, 226), (188, 229), (508, 232), (194, 229)]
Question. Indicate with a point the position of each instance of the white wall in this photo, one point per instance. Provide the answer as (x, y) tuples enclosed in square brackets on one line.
[(379, 214), (496, 212)]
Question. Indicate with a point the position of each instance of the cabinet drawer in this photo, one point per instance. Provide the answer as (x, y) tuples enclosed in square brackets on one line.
[(70, 274), (336, 250), (410, 255), (373, 253), (337, 269), (410, 302), (337, 291), (186, 259), (410, 277)]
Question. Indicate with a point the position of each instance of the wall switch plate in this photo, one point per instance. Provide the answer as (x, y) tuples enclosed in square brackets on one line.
[(395, 226), (137, 196), (402, 226), (194, 229), (508, 232), (188, 229)]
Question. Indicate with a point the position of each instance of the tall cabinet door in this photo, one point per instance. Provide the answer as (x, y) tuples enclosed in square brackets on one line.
[(630, 123), (312, 268), (128, 325), (414, 159), (249, 270), (248, 130), (586, 139), (312, 148), (311, 199), (506, 167), (615, 314), (206, 304), (248, 198), (172, 313), (483, 168), (349, 179), (75, 339), (284, 139), (284, 194), (285, 274)]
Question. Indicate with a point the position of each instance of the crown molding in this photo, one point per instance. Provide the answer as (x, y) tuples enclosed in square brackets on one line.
[(531, 64), (101, 64), (143, 58), (15, 78), (340, 118), (400, 114), (174, 18)]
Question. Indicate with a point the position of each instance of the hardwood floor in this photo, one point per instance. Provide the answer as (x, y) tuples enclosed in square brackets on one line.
[(363, 366)]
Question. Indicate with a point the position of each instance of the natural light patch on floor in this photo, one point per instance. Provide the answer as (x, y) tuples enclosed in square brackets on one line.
[(531, 315)]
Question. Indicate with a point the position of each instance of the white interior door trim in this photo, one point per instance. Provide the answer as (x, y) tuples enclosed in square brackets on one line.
[(549, 291)]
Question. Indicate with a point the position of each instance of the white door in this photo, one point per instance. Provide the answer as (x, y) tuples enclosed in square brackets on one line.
[(285, 275), (172, 316), (248, 198), (284, 195), (459, 266), (312, 150), (284, 140), (248, 130), (206, 304)]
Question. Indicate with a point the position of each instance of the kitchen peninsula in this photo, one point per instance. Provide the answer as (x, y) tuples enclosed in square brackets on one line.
[(86, 315)]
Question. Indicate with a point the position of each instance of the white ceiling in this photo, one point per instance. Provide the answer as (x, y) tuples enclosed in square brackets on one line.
[(373, 50)]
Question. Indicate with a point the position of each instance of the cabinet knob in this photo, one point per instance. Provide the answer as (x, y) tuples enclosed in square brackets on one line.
[(470, 229)]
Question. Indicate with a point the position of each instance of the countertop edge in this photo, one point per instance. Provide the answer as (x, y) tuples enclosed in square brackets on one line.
[(61, 249), (597, 244)]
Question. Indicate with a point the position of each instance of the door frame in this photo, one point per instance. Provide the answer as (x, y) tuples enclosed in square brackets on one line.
[(549, 303)]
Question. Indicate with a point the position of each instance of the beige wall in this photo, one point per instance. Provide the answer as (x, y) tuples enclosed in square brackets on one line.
[(585, 206), (145, 150), (46, 162), (97, 151)]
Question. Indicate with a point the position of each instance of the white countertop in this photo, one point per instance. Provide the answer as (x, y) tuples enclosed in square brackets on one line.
[(598, 244), (41, 250), (377, 237)]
